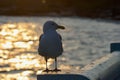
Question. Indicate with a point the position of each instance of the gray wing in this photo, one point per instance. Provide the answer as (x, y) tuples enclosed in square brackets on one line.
[(49, 47), (61, 41), (39, 42), (40, 37), (60, 36)]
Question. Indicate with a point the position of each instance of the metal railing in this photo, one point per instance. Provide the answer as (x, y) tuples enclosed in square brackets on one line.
[(106, 68)]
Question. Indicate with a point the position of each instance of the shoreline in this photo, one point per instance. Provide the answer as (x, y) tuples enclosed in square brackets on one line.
[(117, 17)]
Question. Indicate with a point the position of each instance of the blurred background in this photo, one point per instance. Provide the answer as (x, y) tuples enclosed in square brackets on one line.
[(85, 8), (91, 25)]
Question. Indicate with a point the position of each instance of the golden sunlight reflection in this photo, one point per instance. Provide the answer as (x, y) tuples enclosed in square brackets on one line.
[(22, 45), (18, 52), (7, 45)]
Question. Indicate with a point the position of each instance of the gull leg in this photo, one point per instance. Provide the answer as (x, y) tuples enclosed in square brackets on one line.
[(56, 69), (46, 70)]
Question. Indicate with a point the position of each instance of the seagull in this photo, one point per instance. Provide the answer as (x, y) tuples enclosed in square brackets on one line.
[(50, 43)]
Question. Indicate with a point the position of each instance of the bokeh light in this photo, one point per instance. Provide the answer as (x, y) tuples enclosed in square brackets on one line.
[(18, 51)]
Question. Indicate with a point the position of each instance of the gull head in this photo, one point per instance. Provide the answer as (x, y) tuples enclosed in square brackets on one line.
[(51, 25)]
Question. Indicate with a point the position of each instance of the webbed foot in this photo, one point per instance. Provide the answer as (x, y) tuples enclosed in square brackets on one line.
[(47, 70), (56, 70)]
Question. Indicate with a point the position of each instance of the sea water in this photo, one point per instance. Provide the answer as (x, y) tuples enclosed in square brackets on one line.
[(84, 40)]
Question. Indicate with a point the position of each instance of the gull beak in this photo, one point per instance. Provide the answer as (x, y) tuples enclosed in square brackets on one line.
[(61, 27)]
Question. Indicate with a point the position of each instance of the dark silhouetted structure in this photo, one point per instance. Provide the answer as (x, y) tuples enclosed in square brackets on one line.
[(85, 8)]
